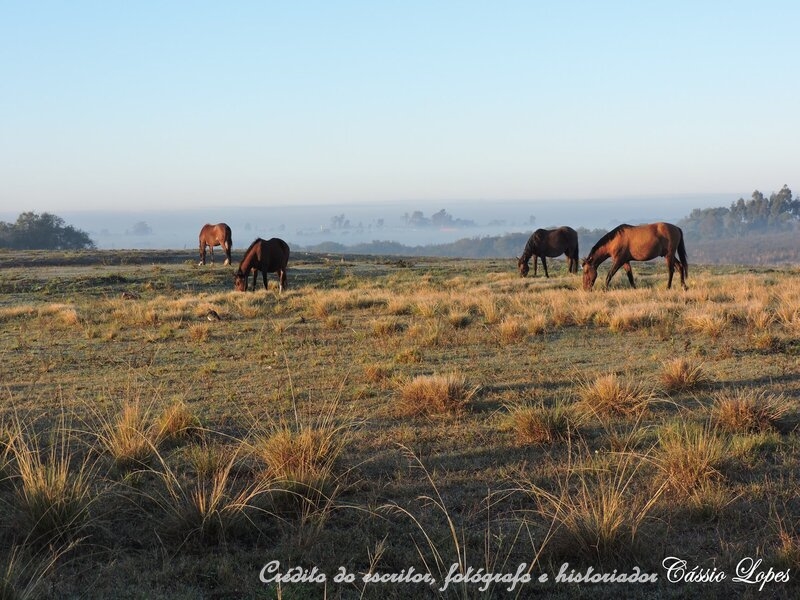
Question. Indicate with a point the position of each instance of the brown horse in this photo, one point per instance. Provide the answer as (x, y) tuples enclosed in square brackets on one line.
[(641, 242), (215, 235), (267, 256), (549, 242)]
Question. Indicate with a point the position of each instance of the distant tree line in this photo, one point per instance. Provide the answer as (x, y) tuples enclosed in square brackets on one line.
[(492, 246), (760, 214), (441, 219), (44, 231)]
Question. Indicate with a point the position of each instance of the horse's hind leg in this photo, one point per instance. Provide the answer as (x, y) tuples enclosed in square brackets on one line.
[(202, 253), (544, 264), (681, 272), (282, 279), (670, 271)]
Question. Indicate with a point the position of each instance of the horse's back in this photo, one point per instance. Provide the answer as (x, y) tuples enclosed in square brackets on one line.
[(220, 232), (274, 254)]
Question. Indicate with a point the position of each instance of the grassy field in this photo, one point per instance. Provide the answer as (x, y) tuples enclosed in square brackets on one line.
[(395, 418)]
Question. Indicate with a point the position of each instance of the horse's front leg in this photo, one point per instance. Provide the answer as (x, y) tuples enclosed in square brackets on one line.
[(616, 267), (535, 264), (629, 273), (544, 264)]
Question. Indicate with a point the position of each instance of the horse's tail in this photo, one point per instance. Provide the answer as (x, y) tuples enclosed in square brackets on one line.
[(682, 256)]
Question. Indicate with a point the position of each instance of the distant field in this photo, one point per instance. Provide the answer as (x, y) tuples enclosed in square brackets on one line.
[(387, 414)]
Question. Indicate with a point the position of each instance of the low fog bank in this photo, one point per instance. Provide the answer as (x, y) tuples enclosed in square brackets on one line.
[(411, 224)]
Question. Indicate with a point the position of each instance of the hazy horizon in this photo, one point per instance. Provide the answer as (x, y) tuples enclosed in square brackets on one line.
[(349, 224)]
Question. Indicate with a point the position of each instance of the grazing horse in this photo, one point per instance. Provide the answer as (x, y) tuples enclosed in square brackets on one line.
[(215, 235), (549, 242), (267, 256), (641, 242)]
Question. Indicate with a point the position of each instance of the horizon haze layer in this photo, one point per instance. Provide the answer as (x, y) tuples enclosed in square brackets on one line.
[(304, 226)]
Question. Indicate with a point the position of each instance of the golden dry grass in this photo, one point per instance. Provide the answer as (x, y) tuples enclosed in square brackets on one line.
[(435, 394)]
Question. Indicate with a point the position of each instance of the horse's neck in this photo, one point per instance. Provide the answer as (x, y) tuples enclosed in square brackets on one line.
[(247, 261), (598, 256), (528, 252)]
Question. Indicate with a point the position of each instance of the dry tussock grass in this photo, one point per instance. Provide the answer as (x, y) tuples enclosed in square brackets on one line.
[(53, 485), (541, 424), (597, 509), (680, 374), (610, 395), (750, 410), (689, 455), (512, 330), (709, 321), (435, 394)]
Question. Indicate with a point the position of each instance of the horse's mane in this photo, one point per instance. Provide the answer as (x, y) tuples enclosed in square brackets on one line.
[(250, 247), (536, 235), (608, 237)]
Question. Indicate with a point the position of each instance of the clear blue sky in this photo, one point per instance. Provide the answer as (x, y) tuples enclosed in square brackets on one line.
[(169, 103)]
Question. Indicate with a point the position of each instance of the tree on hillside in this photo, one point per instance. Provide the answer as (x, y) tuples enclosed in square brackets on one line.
[(779, 212), (44, 231)]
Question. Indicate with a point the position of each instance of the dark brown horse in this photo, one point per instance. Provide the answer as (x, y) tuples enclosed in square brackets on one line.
[(641, 242), (267, 256), (215, 235), (550, 242)]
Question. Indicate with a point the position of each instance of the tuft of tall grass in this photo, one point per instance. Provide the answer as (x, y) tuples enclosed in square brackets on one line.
[(512, 330), (609, 395), (435, 394), (177, 422), (387, 326), (301, 456), (749, 411), (52, 484), (679, 374), (597, 510), (689, 455), (210, 507), (24, 570), (541, 424), (129, 436)]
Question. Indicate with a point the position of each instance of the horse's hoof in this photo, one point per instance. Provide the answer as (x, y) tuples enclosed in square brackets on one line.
[(227, 262)]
